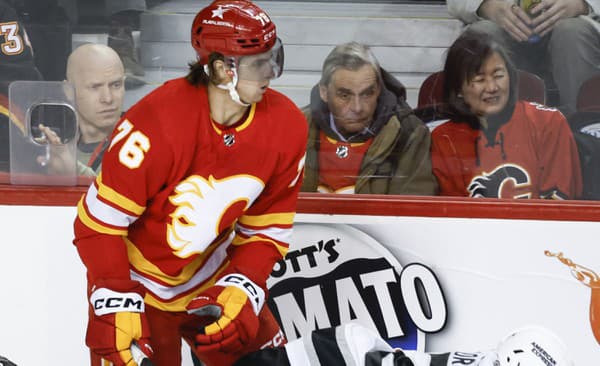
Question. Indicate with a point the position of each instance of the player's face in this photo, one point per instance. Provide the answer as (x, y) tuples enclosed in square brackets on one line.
[(251, 91), (99, 92), (263, 66), (352, 98), (256, 71), (487, 92)]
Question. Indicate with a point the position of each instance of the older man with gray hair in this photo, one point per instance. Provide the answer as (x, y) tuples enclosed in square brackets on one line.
[(363, 136)]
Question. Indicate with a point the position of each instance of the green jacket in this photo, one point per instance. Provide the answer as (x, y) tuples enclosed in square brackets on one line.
[(84, 154), (82, 168), (398, 160)]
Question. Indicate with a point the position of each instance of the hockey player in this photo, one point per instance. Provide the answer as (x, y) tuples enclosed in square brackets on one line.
[(353, 344), (495, 145), (195, 203)]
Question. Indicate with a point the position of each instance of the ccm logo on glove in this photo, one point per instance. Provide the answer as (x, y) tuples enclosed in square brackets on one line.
[(256, 295), (105, 301)]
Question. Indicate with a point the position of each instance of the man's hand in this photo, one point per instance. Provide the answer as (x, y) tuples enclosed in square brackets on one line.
[(234, 303), (117, 319), (509, 17), (546, 13), (59, 159)]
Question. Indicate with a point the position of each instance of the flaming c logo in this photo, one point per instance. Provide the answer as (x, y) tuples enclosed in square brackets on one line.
[(590, 279), (191, 230), (492, 184)]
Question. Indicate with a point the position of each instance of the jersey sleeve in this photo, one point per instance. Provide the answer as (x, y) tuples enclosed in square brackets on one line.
[(560, 167), (264, 231), (133, 170)]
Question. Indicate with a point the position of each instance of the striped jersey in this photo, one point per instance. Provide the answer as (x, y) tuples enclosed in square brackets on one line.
[(180, 197), (340, 163)]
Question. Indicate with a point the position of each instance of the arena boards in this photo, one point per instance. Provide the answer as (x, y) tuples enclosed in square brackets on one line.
[(421, 271)]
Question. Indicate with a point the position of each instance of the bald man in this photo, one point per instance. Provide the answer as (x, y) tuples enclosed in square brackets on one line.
[(97, 74)]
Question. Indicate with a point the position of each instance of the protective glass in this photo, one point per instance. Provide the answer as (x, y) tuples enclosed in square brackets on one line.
[(263, 66), (34, 154)]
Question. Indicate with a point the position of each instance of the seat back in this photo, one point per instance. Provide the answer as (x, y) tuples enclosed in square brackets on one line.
[(531, 88), (588, 98), (431, 91)]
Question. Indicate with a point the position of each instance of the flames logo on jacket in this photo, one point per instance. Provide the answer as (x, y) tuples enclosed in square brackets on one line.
[(490, 185), (202, 205)]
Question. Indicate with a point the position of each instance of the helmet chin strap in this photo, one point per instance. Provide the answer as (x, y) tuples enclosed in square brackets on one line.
[(230, 87)]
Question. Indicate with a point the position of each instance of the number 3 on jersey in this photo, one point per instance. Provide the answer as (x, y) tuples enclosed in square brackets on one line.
[(137, 144), (13, 44)]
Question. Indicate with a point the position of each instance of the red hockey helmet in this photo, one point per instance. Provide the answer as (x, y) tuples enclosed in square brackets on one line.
[(232, 28)]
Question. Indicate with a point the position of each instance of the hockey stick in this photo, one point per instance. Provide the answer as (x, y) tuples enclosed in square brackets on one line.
[(140, 357)]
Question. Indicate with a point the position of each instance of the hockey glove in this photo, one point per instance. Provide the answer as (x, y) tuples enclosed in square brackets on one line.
[(233, 304), (117, 319)]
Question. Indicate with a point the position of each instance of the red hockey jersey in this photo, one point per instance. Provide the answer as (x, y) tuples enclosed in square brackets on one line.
[(180, 197), (339, 164), (533, 155)]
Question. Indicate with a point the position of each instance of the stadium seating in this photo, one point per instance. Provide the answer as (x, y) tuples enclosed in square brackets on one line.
[(408, 38), (588, 99)]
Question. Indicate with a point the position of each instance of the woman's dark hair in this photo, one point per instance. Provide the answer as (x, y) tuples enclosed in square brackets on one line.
[(197, 76), (463, 61)]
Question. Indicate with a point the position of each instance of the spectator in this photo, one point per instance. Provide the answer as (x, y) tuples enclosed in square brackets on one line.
[(124, 17), (495, 145), (557, 38), (97, 75), (15, 47), (50, 32), (16, 63), (195, 202), (363, 137), (118, 17)]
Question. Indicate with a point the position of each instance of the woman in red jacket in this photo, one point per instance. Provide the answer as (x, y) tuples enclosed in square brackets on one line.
[(495, 145)]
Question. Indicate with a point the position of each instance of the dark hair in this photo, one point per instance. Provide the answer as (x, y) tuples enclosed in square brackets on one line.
[(463, 61), (198, 76)]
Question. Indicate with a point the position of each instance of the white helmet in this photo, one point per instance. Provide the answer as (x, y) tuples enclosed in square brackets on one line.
[(533, 346)]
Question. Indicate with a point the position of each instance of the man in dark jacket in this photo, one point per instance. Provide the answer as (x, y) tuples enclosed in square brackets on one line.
[(16, 63), (15, 47), (363, 137)]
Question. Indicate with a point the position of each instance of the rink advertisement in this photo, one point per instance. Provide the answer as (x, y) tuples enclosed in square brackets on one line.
[(441, 284), (335, 274), (427, 283)]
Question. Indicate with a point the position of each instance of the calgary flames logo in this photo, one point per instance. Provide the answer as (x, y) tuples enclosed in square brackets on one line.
[(491, 185), (194, 224), (590, 279)]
